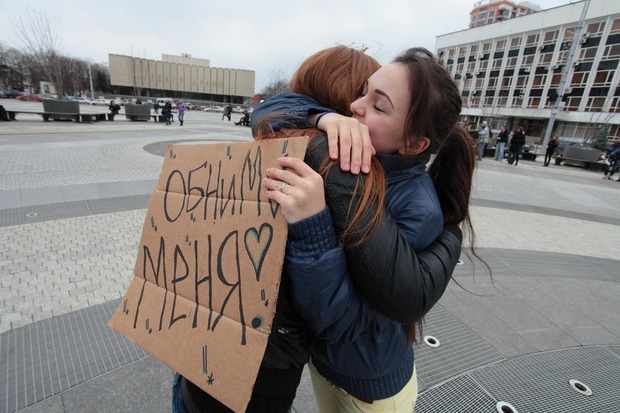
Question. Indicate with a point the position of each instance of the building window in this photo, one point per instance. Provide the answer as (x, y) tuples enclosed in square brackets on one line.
[(483, 65), (572, 103), (603, 78), (492, 83), (500, 45), (615, 104), (527, 60), (532, 40), (596, 28), (497, 64), (551, 37), (506, 82), (511, 62), (522, 81), (462, 51), (533, 102), (539, 80), (588, 54), (545, 58), (580, 79), (611, 51), (569, 33), (615, 27), (515, 43), (555, 79), (595, 104), (486, 47), (491, 16)]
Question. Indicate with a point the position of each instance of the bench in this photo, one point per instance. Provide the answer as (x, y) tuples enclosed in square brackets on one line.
[(583, 157), (80, 117), (135, 112)]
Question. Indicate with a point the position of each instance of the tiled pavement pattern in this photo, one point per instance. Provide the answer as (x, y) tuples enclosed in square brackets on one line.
[(72, 204)]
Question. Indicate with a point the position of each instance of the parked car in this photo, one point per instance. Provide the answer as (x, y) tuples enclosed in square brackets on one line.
[(162, 101), (82, 101), (30, 98), (13, 94), (100, 102), (213, 109)]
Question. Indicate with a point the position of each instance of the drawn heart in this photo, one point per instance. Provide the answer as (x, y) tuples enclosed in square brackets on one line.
[(257, 245)]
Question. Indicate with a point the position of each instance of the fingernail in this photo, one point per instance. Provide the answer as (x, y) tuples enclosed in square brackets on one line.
[(346, 166), (333, 155), (356, 169), (366, 168)]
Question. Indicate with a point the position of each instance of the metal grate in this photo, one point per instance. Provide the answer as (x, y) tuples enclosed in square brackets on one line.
[(45, 358), (460, 349), (457, 396), (540, 382)]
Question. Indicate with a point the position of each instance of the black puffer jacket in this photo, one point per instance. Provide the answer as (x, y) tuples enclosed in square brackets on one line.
[(398, 282)]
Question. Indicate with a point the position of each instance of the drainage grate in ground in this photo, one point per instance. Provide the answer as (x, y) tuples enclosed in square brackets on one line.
[(460, 395), (460, 349), (45, 358), (540, 382)]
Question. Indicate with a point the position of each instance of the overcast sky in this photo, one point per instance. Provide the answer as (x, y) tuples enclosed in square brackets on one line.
[(267, 36)]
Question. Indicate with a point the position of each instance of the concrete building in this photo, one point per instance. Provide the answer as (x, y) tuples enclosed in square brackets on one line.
[(493, 11), (547, 65), (181, 77)]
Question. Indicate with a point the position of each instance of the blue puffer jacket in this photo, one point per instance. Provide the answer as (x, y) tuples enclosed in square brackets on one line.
[(355, 346)]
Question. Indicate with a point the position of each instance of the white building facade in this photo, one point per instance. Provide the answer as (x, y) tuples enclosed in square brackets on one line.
[(519, 71)]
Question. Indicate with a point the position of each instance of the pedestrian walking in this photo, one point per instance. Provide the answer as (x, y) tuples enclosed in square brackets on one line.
[(181, 111), (551, 147), (502, 140), (167, 112), (483, 139), (612, 161), (517, 141)]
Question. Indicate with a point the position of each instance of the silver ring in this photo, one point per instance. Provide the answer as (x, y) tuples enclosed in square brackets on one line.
[(281, 189)]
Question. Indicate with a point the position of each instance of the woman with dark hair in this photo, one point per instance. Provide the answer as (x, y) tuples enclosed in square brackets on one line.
[(335, 76), (361, 358)]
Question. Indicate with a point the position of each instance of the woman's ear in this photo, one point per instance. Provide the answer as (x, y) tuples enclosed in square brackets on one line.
[(415, 146)]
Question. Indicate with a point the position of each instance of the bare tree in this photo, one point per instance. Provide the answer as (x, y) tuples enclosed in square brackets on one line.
[(277, 84), (41, 41), (597, 129), (12, 67)]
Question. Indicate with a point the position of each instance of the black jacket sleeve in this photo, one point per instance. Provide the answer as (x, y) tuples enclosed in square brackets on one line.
[(400, 283)]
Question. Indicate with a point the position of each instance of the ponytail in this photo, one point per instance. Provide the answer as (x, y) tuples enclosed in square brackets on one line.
[(452, 172)]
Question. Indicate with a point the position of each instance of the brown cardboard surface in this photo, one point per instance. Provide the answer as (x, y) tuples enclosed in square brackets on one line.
[(208, 266)]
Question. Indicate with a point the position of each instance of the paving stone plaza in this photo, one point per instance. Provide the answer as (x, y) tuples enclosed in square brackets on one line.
[(73, 198)]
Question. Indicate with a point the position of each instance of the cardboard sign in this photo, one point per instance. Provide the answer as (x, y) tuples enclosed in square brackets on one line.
[(208, 267)]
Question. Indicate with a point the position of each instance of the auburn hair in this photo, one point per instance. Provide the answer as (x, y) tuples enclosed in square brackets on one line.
[(335, 77)]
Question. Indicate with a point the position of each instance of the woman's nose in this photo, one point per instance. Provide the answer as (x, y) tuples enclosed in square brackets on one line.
[(356, 107)]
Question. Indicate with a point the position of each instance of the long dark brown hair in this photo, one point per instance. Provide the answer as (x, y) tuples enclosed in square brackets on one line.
[(434, 113)]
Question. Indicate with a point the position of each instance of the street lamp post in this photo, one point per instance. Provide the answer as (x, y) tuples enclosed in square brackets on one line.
[(90, 77), (566, 69)]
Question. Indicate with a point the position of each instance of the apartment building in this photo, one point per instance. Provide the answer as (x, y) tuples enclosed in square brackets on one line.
[(525, 70), (490, 11), (181, 77)]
